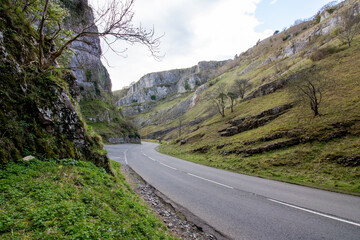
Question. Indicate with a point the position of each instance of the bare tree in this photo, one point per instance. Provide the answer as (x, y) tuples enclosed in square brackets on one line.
[(115, 23), (350, 25), (218, 98), (242, 86), (309, 87), (232, 97)]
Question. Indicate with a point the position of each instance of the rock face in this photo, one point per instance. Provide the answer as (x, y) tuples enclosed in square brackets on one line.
[(159, 85), (92, 77), (38, 110)]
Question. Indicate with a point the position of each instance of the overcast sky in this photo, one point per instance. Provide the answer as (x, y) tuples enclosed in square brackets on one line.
[(197, 30)]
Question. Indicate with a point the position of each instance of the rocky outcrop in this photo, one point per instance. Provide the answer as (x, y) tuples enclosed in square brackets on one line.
[(248, 123), (159, 85), (92, 77), (38, 110)]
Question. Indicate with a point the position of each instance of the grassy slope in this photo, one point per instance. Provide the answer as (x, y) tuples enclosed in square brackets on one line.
[(314, 163), (70, 199), (100, 110), (320, 163)]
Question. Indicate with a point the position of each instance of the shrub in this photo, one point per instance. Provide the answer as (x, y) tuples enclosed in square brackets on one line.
[(153, 97), (322, 53), (331, 10), (286, 37)]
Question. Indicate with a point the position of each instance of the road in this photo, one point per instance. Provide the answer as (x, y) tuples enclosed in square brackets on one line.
[(241, 206)]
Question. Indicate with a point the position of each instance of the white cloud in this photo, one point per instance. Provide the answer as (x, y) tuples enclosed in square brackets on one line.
[(226, 29), (194, 31), (273, 2)]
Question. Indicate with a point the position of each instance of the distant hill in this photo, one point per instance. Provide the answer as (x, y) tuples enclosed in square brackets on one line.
[(272, 131)]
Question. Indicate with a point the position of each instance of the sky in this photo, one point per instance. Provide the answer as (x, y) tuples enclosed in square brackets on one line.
[(198, 30)]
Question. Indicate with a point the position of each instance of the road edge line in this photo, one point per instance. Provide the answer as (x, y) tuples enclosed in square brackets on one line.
[(315, 212)]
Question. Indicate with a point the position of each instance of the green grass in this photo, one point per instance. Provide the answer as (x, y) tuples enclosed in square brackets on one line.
[(307, 164), (69, 199), (106, 119)]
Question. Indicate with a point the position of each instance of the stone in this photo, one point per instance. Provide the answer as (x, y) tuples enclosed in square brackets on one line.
[(28, 158)]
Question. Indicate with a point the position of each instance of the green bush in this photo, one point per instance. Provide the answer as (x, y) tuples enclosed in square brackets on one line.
[(153, 97)]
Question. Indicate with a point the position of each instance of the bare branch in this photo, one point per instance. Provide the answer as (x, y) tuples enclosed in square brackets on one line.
[(310, 87), (115, 23)]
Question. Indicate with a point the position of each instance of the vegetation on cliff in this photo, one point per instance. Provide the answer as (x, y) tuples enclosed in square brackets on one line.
[(39, 113)]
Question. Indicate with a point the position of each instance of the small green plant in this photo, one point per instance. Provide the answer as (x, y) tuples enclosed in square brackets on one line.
[(331, 10), (187, 86), (88, 75), (153, 97)]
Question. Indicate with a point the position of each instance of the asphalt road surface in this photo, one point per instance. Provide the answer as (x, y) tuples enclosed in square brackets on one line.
[(244, 207)]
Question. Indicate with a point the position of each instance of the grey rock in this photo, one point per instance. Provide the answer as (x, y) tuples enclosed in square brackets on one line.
[(166, 83), (28, 158), (92, 77)]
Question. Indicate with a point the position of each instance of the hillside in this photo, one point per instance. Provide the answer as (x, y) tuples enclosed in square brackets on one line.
[(273, 132)]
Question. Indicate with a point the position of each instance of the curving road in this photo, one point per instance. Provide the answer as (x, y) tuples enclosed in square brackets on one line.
[(241, 206)]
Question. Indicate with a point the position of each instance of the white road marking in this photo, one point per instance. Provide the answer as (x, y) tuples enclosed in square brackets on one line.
[(187, 173), (210, 181), (126, 157), (167, 166), (116, 157), (317, 213)]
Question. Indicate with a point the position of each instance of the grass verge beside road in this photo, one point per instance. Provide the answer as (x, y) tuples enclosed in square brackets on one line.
[(69, 199)]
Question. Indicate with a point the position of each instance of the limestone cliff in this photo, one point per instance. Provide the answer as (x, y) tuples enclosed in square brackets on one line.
[(159, 85), (39, 114), (92, 77)]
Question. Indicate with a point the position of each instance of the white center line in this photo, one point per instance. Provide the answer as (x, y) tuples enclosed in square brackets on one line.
[(210, 181), (167, 166), (317, 213)]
